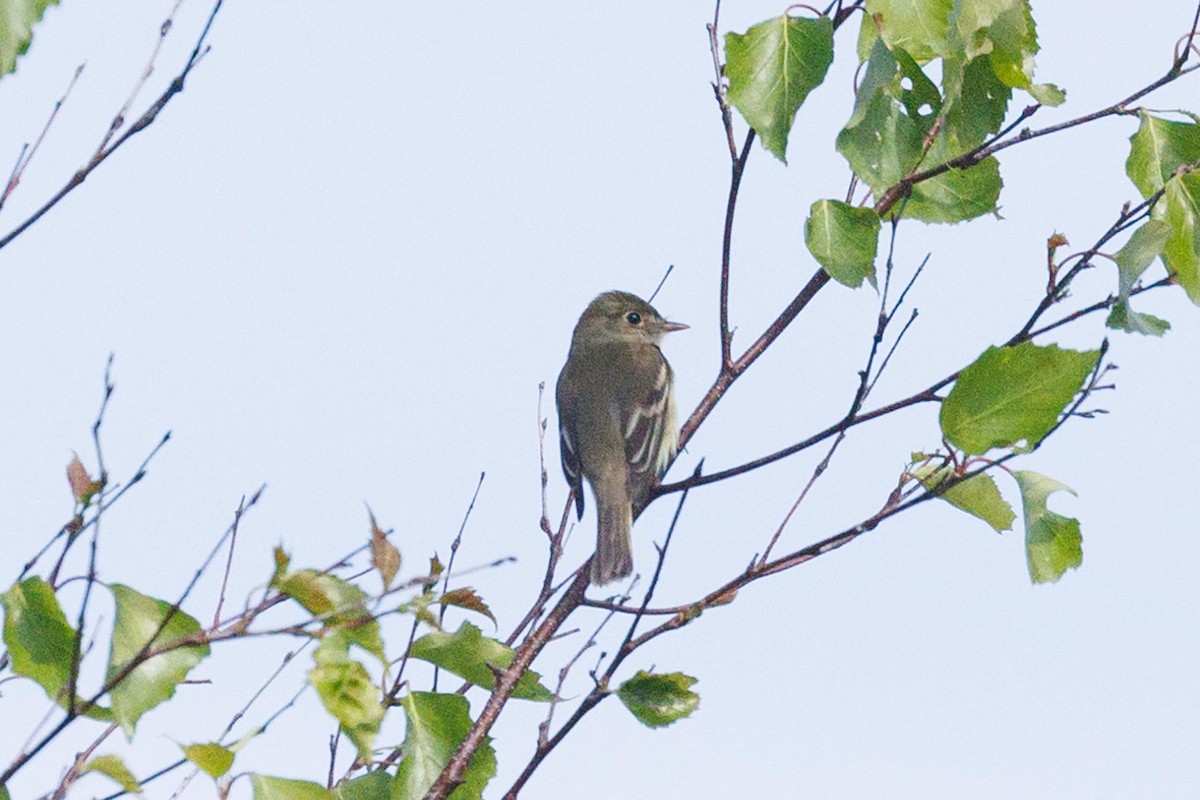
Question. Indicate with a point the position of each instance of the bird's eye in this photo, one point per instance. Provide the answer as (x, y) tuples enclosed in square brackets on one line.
[(633, 318)]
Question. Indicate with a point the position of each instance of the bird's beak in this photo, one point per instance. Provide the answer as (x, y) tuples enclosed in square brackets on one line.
[(669, 327)]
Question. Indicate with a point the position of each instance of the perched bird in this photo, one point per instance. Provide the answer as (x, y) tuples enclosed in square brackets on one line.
[(616, 418)]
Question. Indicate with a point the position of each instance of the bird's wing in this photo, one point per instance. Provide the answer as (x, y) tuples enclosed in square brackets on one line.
[(568, 448), (649, 425)]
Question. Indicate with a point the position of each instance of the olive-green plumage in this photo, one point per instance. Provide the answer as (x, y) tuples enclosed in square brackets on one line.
[(616, 418)]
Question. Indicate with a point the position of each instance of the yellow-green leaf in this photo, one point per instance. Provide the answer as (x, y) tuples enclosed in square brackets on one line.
[(113, 767), (153, 681), (215, 759)]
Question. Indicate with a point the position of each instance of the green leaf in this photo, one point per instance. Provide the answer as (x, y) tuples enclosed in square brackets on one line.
[(112, 766), (17, 18), (1053, 543), (152, 682), (1004, 31), (1047, 94), (1133, 259), (419, 607), (891, 134), (978, 495), (920, 27), (339, 603), (771, 69), (956, 195), (4, 795), (346, 690), (320, 593), (39, 639), (471, 655), (437, 724), (844, 240), (1181, 210), (883, 140), (658, 700), (1012, 395), (1145, 245), (1122, 317), (976, 103), (375, 785), (1159, 148), (268, 788), (214, 758)]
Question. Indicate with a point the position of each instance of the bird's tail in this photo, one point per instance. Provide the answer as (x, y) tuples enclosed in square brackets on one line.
[(613, 559)]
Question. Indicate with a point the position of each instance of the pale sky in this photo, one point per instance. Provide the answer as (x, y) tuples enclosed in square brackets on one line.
[(345, 257)]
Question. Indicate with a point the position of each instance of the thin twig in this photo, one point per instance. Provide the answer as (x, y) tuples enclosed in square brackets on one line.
[(737, 169), (81, 759), (27, 152), (719, 89), (454, 545), (143, 122), (119, 119), (237, 518)]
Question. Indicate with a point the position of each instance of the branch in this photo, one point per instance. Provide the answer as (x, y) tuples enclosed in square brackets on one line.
[(143, 122), (27, 153), (735, 181), (999, 142), (506, 681), (600, 690)]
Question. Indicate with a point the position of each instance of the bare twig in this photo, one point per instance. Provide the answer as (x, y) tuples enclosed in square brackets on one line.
[(81, 759), (719, 88), (140, 124), (237, 518), (28, 152), (735, 181), (119, 119), (454, 545)]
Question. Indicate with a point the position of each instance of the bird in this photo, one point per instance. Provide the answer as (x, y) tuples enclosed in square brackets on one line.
[(616, 419)]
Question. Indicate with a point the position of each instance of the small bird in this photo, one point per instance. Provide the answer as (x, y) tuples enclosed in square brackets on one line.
[(616, 418)]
